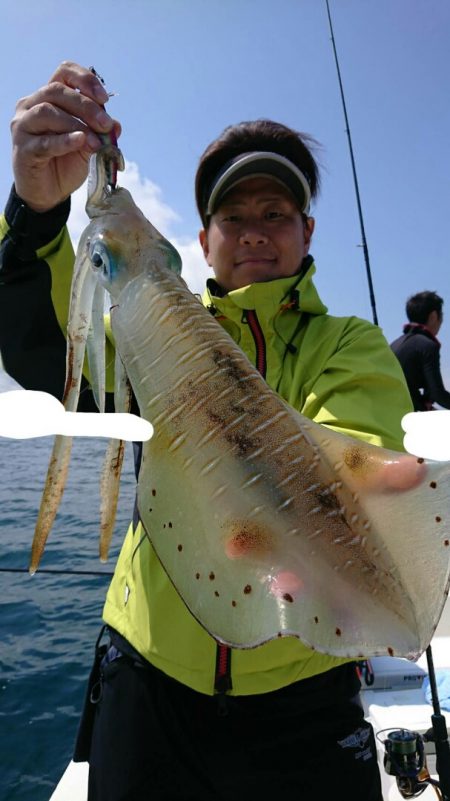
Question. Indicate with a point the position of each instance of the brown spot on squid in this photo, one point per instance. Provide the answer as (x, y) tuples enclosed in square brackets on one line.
[(401, 473), (248, 539)]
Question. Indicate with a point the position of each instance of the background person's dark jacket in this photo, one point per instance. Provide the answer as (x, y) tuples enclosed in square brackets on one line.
[(418, 353)]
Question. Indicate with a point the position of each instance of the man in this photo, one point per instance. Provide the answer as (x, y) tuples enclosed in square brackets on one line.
[(418, 351), (177, 715)]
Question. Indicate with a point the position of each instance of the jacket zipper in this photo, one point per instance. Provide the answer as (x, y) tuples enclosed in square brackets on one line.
[(222, 682), (260, 342)]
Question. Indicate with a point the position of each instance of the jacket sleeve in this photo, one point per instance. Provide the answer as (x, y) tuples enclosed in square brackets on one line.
[(434, 386), (362, 391), (36, 263)]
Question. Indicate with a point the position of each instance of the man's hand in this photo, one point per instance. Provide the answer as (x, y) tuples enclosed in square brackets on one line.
[(54, 132)]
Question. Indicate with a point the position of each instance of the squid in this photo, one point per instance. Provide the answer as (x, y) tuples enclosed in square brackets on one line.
[(267, 523)]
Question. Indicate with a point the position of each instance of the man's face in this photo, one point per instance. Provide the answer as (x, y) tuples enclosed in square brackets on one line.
[(256, 234)]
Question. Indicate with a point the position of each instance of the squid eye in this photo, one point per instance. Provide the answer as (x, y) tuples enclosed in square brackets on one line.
[(97, 260), (100, 258)]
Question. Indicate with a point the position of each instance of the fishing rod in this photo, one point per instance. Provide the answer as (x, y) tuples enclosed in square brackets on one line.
[(438, 732), (355, 179)]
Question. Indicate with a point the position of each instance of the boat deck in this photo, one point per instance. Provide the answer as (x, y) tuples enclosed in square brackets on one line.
[(386, 708)]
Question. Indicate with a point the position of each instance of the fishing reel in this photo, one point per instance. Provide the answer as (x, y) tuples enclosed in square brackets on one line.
[(405, 759), (405, 751)]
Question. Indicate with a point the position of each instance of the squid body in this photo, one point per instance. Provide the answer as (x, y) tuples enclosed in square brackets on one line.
[(267, 523)]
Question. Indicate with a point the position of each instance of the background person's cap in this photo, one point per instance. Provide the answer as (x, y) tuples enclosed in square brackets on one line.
[(256, 164)]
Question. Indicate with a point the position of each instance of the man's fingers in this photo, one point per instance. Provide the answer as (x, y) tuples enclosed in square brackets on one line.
[(44, 118), (47, 119), (48, 146), (54, 131), (82, 79), (64, 101), (44, 132)]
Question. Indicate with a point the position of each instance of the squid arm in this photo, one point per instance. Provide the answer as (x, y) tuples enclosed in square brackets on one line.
[(83, 288), (112, 467)]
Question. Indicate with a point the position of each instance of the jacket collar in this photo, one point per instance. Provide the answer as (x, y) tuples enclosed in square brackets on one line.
[(419, 328), (296, 291)]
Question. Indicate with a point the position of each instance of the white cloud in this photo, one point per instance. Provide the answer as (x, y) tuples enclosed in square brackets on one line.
[(148, 196), (195, 270)]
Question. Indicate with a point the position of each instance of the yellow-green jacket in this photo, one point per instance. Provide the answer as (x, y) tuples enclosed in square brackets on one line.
[(338, 371)]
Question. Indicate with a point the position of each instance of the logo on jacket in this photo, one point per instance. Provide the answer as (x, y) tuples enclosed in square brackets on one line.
[(358, 739)]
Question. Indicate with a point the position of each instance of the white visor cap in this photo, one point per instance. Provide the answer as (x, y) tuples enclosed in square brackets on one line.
[(260, 164)]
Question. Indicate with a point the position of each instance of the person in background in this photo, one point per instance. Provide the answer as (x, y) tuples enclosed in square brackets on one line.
[(418, 351), (170, 713)]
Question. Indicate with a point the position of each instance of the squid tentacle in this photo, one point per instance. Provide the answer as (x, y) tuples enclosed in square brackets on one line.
[(83, 286), (112, 467)]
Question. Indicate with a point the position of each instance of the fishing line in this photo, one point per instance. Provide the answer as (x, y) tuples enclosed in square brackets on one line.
[(58, 572)]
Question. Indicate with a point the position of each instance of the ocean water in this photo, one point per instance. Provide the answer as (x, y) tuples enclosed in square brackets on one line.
[(49, 622)]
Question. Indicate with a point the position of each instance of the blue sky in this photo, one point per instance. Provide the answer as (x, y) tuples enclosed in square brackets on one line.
[(184, 69)]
